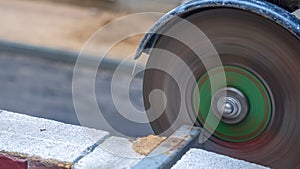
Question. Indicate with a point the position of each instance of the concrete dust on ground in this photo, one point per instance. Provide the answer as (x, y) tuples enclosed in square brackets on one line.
[(64, 26)]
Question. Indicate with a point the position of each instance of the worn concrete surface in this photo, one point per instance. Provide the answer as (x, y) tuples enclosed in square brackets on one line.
[(114, 153), (201, 159), (45, 142), (23, 125), (45, 139)]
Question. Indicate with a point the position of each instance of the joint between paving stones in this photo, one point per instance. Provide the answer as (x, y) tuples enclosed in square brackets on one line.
[(90, 149)]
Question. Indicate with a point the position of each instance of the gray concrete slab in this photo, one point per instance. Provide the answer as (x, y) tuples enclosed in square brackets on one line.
[(120, 147), (114, 153), (29, 126), (86, 148), (45, 138), (34, 147), (201, 159)]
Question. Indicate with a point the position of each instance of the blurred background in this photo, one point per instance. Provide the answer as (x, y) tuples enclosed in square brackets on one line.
[(36, 37), (67, 24)]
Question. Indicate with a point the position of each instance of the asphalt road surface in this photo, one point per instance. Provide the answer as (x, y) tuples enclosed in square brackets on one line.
[(43, 88)]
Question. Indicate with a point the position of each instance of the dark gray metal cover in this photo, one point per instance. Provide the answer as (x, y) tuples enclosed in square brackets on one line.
[(260, 7)]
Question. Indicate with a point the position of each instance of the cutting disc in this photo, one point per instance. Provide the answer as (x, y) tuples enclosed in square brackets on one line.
[(262, 60)]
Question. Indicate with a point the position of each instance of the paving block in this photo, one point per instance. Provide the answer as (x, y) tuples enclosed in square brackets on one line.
[(48, 129), (34, 143), (201, 159), (46, 143), (113, 153)]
